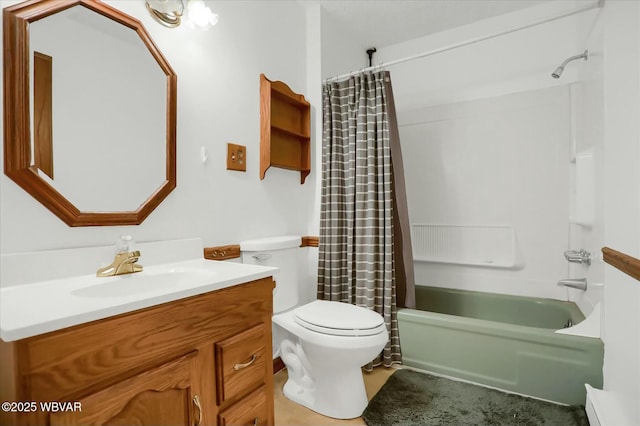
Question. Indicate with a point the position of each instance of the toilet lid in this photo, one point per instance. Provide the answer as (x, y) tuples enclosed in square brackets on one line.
[(339, 319)]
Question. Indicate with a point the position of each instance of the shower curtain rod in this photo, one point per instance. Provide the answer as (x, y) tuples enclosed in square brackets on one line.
[(598, 4)]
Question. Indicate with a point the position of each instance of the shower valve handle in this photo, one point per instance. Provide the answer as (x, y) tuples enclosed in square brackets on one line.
[(578, 256)]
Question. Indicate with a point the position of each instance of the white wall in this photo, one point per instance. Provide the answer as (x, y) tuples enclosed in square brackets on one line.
[(218, 102), (622, 206), (308, 289), (341, 51)]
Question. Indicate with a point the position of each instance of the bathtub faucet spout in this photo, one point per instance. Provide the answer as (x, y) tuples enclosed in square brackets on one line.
[(579, 283)]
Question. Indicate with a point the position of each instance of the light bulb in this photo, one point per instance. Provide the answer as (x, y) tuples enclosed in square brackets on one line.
[(200, 16)]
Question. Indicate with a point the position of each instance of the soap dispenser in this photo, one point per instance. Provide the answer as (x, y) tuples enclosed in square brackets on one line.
[(125, 243)]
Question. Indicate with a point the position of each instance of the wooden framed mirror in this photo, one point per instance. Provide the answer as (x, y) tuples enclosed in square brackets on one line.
[(109, 150)]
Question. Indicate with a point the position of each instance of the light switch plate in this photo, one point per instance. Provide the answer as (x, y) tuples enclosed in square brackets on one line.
[(236, 157)]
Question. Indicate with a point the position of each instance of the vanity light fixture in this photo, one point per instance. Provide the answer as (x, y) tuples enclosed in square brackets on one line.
[(166, 12), (170, 12)]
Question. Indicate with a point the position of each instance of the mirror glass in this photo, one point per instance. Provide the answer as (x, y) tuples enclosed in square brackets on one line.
[(108, 109), (90, 111)]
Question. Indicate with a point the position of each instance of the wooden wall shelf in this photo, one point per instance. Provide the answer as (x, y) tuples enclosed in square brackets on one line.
[(285, 129)]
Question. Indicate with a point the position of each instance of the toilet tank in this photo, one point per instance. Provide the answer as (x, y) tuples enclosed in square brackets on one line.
[(284, 253)]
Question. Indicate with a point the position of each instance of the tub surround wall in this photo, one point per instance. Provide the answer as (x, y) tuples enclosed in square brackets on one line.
[(494, 161), (508, 116), (587, 137)]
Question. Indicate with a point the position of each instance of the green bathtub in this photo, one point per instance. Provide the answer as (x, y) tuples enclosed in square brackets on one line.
[(507, 342)]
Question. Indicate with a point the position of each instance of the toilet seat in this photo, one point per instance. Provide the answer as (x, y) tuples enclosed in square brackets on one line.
[(339, 319)]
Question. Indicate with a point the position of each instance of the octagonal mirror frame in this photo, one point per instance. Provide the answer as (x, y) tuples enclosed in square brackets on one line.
[(17, 137)]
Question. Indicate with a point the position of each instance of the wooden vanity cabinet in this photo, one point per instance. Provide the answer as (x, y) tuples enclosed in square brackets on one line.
[(204, 360)]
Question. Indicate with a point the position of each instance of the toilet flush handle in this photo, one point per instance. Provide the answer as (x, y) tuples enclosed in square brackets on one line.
[(261, 256)]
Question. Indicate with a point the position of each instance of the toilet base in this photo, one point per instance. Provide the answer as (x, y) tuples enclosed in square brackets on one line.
[(339, 394)]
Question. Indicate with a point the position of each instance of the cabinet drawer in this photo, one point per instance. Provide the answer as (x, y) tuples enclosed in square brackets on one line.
[(250, 410), (240, 363)]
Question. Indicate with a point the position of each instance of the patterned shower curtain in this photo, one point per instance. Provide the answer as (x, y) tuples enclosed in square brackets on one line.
[(365, 255)]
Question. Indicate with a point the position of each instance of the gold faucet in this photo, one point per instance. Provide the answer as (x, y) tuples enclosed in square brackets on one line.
[(124, 263)]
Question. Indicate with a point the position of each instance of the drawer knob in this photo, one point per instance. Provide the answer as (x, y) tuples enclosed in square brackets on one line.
[(255, 422), (246, 364), (196, 402)]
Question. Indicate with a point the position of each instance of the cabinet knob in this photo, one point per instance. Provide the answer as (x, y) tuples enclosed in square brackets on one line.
[(255, 421), (196, 402), (246, 364)]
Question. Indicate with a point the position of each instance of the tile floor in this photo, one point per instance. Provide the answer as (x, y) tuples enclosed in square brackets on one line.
[(288, 413)]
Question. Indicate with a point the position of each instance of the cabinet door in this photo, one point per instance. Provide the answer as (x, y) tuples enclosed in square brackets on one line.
[(160, 396)]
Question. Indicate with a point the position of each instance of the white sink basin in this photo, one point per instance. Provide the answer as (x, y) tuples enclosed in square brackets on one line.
[(148, 281), (30, 309)]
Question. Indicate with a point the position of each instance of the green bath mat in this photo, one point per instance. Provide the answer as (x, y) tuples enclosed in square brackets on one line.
[(412, 398)]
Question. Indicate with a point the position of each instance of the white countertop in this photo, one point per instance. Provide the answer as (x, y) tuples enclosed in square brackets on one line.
[(30, 309)]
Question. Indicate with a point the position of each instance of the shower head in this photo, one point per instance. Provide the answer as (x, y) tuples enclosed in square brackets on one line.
[(558, 72)]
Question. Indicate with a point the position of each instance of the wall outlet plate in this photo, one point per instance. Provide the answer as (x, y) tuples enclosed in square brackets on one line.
[(236, 157)]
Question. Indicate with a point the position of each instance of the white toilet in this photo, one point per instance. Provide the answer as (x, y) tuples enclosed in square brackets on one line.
[(323, 344)]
